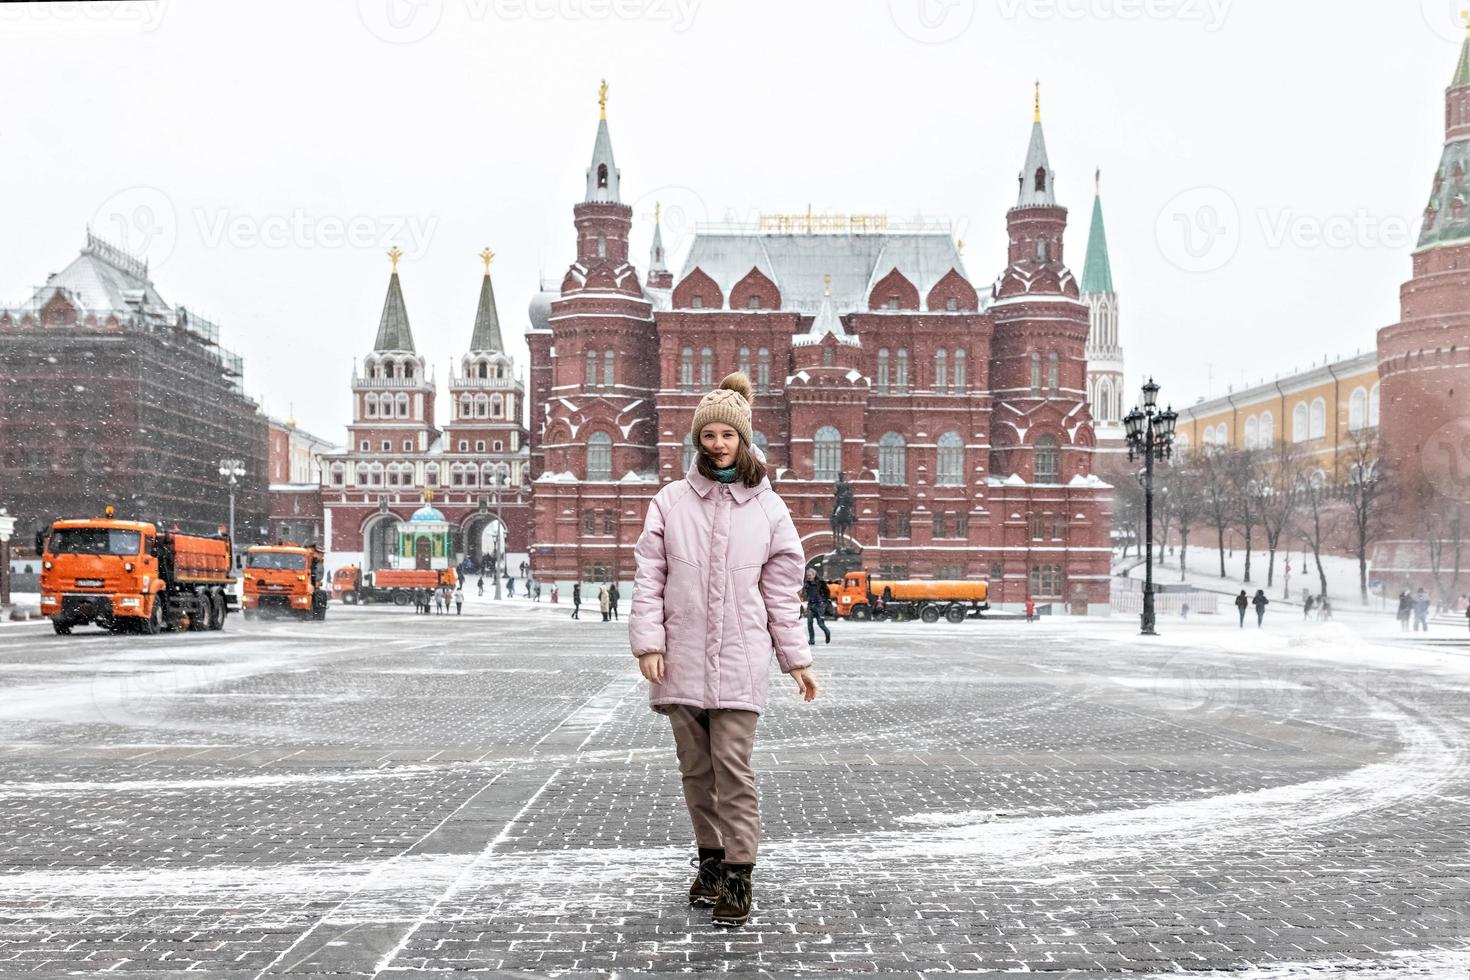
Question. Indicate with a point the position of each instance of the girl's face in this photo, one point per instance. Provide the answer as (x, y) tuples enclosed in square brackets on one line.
[(719, 442), (811, 574)]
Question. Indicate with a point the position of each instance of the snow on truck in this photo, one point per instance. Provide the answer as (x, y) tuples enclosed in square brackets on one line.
[(284, 578), (395, 585), (860, 597), (133, 575)]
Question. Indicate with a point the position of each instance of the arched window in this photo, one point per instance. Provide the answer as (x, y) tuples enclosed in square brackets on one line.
[(689, 449), (487, 475), (362, 474), (591, 368), (602, 246), (471, 475), (1046, 462), (1252, 432), (1319, 418), (892, 459), (1357, 409), (826, 454), (686, 369), (744, 364), (941, 369), (1268, 430), (1100, 398), (464, 406), (1040, 179), (883, 370), (1222, 435), (1373, 407), (1036, 370), (1300, 424), (599, 456), (959, 370), (706, 367), (403, 406), (497, 406), (431, 475), (1181, 443), (482, 406), (763, 369), (902, 378), (950, 471), (375, 474), (607, 368), (602, 175), (483, 370), (1052, 372), (389, 368), (370, 405)]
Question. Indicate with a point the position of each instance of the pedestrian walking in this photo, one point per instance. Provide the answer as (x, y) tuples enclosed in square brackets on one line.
[(481, 585), (1030, 610), (1242, 603), (1406, 609), (438, 601), (613, 595), (555, 594), (1260, 602), (1307, 607), (1421, 610), (604, 602), (510, 587), (538, 592), (576, 600), (458, 600), (708, 668), (814, 591)]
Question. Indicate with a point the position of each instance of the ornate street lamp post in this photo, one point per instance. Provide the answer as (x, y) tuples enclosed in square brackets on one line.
[(1151, 435), (232, 470)]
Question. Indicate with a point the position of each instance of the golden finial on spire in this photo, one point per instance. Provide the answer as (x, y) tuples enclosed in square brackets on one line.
[(602, 100), (657, 211), (827, 284), (394, 254), (960, 246), (1038, 101), (487, 257), (1465, 16)]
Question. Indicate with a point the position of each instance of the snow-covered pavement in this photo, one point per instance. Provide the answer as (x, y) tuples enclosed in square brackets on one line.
[(387, 794)]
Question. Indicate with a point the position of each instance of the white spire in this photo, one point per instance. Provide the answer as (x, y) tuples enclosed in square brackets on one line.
[(826, 321), (1038, 182), (602, 176)]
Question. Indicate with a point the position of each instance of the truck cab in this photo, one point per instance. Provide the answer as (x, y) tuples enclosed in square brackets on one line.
[(101, 570), (284, 578)]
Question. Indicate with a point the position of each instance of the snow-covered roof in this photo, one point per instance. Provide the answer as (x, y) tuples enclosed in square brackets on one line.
[(103, 277)]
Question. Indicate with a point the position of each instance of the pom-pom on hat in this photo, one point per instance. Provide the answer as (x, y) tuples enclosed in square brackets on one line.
[(729, 403)]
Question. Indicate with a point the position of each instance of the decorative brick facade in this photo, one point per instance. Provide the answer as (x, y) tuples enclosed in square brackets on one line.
[(961, 423)]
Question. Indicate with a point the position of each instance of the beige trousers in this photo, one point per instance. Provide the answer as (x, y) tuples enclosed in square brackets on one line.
[(714, 749)]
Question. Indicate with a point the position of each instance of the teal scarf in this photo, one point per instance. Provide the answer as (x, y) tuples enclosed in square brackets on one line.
[(726, 475)]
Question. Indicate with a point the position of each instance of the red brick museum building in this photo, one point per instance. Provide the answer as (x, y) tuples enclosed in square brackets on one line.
[(958, 414)]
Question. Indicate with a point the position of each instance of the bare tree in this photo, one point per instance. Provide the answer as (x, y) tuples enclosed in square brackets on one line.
[(1188, 505), (1313, 517), (1443, 525), (1364, 492), (1243, 492), (1281, 479), (1215, 491)]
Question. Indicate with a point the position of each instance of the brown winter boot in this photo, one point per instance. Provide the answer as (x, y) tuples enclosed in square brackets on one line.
[(706, 887), (733, 906)]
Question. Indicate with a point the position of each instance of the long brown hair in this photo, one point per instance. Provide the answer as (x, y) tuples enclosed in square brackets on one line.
[(749, 470)]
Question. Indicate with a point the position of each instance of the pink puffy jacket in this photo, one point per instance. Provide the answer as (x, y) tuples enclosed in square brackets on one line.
[(717, 588)]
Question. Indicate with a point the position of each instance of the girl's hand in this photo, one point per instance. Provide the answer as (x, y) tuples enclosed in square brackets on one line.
[(806, 683), (652, 666)]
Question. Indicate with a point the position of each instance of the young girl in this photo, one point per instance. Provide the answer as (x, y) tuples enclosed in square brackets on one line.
[(717, 589)]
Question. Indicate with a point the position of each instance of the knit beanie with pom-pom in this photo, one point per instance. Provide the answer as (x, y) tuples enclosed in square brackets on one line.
[(729, 403)]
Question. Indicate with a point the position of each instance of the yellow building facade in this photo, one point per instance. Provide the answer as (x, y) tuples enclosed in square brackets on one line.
[(1321, 409)]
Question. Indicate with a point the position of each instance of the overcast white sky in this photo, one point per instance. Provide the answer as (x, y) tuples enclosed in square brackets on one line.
[(1264, 163)]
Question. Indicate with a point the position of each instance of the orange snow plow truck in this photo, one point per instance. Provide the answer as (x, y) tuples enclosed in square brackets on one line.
[(860, 597), (133, 575), (284, 578)]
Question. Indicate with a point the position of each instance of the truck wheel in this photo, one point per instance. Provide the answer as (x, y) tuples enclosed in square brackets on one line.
[(860, 614), (349, 598), (199, 616), (955, 613), (61, 628), (216, 611), (929, 614), (154, 624), (400, 598)]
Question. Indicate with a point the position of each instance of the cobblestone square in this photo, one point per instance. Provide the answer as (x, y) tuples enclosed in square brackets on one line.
[(395, 795)]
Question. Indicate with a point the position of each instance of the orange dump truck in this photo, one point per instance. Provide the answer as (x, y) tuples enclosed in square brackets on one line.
[(860, 597), (133, 575), (395, 585), (284, 578)]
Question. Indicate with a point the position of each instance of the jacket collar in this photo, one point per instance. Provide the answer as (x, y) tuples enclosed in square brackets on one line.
[(703, 485)]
